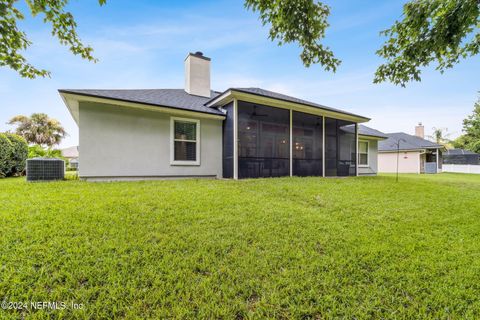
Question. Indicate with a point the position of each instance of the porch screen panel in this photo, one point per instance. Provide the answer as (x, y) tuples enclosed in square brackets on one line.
[(340, 148), (347, 149), (228, 142), (307, 144), (263, 141), (330, 147)]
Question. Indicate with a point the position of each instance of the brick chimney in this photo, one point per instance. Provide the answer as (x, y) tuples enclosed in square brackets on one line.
[(420, 130), (197, 74)]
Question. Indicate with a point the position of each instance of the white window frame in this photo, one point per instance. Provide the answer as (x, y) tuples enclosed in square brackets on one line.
[(368, 154), (174, 162)]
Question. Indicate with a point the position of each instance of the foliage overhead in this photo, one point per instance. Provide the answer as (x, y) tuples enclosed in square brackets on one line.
[(471, 126), (39, 129), (441, 31), (14, 41), (300, 21)]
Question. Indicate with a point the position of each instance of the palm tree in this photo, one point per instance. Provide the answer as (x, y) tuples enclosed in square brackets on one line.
[(440, 136), (39, 129)]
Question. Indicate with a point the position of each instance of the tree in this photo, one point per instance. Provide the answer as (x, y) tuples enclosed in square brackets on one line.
[(300, 21), (39, 129), (440, 136), (471, 126), (441, 31), (14, 41)]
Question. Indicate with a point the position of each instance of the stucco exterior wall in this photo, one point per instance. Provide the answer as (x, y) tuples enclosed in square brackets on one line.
[(409, 162), (372, 167), (124, 143)]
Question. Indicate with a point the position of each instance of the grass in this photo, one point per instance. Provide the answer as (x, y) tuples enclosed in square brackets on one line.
[(308, 248)]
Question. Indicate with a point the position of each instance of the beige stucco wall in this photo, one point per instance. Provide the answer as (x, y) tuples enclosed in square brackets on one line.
[(120, 142), (372, 167), (409, 162)]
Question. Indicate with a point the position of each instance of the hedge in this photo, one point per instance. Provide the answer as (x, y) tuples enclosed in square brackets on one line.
[(13, 154), (6, 152), (20, 153)]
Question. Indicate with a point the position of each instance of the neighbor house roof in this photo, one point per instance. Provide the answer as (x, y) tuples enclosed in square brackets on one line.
[(71, 152), (365, 131), (454, 152), (170, 98), (407, 142), (280, 96)]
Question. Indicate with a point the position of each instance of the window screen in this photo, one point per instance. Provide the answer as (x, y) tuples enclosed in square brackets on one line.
[(185, 140), (363, 153)]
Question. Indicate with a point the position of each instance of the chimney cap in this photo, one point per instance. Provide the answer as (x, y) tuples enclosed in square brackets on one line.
[(420, 124), (198, 54)]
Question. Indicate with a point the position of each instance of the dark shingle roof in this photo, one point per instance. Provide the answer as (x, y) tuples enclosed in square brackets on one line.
[(452, 152), (170, 98), (409, 142), (365, 131), (279, 96)]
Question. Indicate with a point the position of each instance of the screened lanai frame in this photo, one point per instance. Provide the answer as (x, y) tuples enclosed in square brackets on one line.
[(236, 166)]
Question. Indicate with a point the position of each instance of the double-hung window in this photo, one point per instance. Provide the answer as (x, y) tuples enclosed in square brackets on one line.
[(185, 141), (363, 153)]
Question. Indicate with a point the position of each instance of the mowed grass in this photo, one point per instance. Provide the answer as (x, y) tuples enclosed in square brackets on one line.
[(299, 248)]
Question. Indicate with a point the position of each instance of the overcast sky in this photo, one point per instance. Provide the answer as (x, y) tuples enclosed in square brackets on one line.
[(142, 44)]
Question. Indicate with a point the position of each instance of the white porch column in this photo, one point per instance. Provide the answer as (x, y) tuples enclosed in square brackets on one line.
[(356, 149), (235, 139), (323, 147), (291, 143), (438, 161)]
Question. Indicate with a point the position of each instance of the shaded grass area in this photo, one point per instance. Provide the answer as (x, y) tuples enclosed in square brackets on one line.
[(315, 248)]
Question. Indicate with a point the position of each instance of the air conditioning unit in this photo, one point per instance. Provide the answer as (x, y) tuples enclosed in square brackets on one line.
[(45, 169)]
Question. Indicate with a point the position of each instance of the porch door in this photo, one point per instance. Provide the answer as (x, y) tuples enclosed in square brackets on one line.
[(307, 146)]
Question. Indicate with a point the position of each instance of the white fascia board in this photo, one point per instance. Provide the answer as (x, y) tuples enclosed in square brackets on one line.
[(371, 137)]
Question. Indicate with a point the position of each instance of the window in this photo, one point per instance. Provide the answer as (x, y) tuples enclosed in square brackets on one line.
[(185, 141), (363, 153)]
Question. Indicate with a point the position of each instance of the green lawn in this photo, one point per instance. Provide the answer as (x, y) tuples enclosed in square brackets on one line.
[(308, 248)]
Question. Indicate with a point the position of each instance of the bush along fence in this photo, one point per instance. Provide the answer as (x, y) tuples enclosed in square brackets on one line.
[(13, 154)]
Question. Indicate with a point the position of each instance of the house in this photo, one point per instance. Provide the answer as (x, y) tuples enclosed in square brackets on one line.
[(71, 154), (409, 153), (198, 132), (460, 156)]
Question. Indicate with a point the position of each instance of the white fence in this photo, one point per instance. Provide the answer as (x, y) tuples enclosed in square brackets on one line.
[(461, 168)]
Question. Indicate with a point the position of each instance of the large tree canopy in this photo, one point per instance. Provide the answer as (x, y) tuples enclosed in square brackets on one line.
[(471, 127), (442, 31)]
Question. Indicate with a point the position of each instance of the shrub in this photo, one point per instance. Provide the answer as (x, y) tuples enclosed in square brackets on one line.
[(37, 151), (19, 154), (6, 152)]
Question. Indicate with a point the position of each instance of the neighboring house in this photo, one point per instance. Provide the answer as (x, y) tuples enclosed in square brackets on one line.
[(460, 156), (413, 153), (197, 132), (71, 154)]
